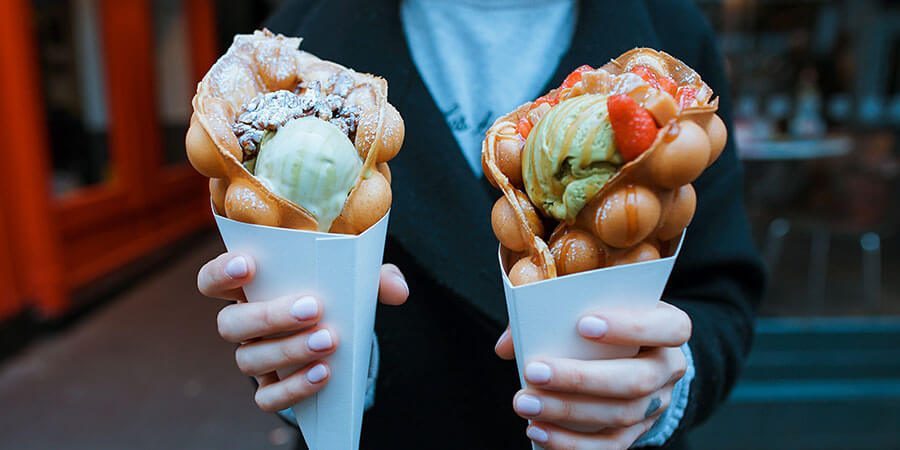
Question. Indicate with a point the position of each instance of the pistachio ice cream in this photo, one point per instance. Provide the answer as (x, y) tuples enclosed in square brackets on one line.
[(312, 163), (569, 155), (299, 145)]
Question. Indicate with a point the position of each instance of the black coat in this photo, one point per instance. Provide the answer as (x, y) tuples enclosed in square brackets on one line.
[(440, 384)]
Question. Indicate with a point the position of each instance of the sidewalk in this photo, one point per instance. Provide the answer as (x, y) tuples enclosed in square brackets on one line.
[(146, 371)]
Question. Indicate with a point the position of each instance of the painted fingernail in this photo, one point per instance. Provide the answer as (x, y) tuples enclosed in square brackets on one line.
[(537, 373), (317, 373), (529, 405), (537, 434), (401, 281), (305, 308), (236, 268), (592, 327), (319, 341)]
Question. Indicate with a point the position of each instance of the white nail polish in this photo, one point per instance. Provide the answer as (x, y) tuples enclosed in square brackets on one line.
[(319, 341), (592, 327), (316, 374), (537, 434), (237, 267), (538, 373), (529, 405), (305, 308)]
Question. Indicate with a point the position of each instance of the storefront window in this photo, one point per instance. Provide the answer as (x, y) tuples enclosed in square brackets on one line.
[(72, 80), (816, 94)]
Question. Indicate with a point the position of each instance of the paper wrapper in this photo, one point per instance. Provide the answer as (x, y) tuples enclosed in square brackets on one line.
[(343, 271), (542, 315)]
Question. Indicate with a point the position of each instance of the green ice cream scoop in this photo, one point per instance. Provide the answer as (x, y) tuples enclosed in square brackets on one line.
[(569, 155), (311, 163)]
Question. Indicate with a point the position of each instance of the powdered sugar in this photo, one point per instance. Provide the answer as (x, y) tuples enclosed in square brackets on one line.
[(268, 111)]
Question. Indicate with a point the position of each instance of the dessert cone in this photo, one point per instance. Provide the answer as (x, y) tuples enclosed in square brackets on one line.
[(542, 328), (260, 63), (293, 252), (343, 271), (617, 247)]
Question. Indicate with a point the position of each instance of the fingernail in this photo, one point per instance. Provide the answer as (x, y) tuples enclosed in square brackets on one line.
[(305, 308), (537, 434), (402, 282), (537, 373), (319, 341), (528, 405), (592, 327), (236, 268), (317, 373)]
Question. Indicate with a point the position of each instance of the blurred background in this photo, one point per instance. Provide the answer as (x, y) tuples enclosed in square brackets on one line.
[(104, 342)]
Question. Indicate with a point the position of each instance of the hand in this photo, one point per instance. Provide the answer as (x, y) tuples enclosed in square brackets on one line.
[(619, 399), (282, 332)]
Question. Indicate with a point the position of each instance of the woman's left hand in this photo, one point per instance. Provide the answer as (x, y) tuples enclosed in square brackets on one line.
[(619, 399)]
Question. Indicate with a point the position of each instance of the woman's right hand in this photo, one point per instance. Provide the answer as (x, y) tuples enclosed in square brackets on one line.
[(279, 333)]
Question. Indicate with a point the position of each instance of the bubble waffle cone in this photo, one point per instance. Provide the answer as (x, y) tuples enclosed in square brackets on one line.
[(294, 256), (616, 248), (637, 214), (263, 62)]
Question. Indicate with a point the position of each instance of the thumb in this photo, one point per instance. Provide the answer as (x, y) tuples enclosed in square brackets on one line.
[(392, 288), (504, 346)]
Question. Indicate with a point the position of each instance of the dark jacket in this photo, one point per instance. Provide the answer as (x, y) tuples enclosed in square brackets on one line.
[(440, 384)]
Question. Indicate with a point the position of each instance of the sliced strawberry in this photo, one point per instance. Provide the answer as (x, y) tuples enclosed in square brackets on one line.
[(633, 126), (524, 126), (663, 83), (667, 84), (575, 76), (685, 96), (647, 74), (552, 101)]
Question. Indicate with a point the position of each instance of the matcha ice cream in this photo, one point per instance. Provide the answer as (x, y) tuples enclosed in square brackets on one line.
[(569, 155), (312, 163)]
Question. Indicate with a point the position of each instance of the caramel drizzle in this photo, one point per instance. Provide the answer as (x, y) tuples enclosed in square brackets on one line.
[(672, 133), (585, 157), (678, 70), (565, 253), (631, 213), (207, 119), (573, 129), (538, 246)]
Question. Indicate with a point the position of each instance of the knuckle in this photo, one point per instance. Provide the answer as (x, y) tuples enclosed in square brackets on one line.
[(637, 329), (295, 390), (565, 410), (290, 351), (576, 378), (622, 417), (254, 314), (643, 383), (269, 315)]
